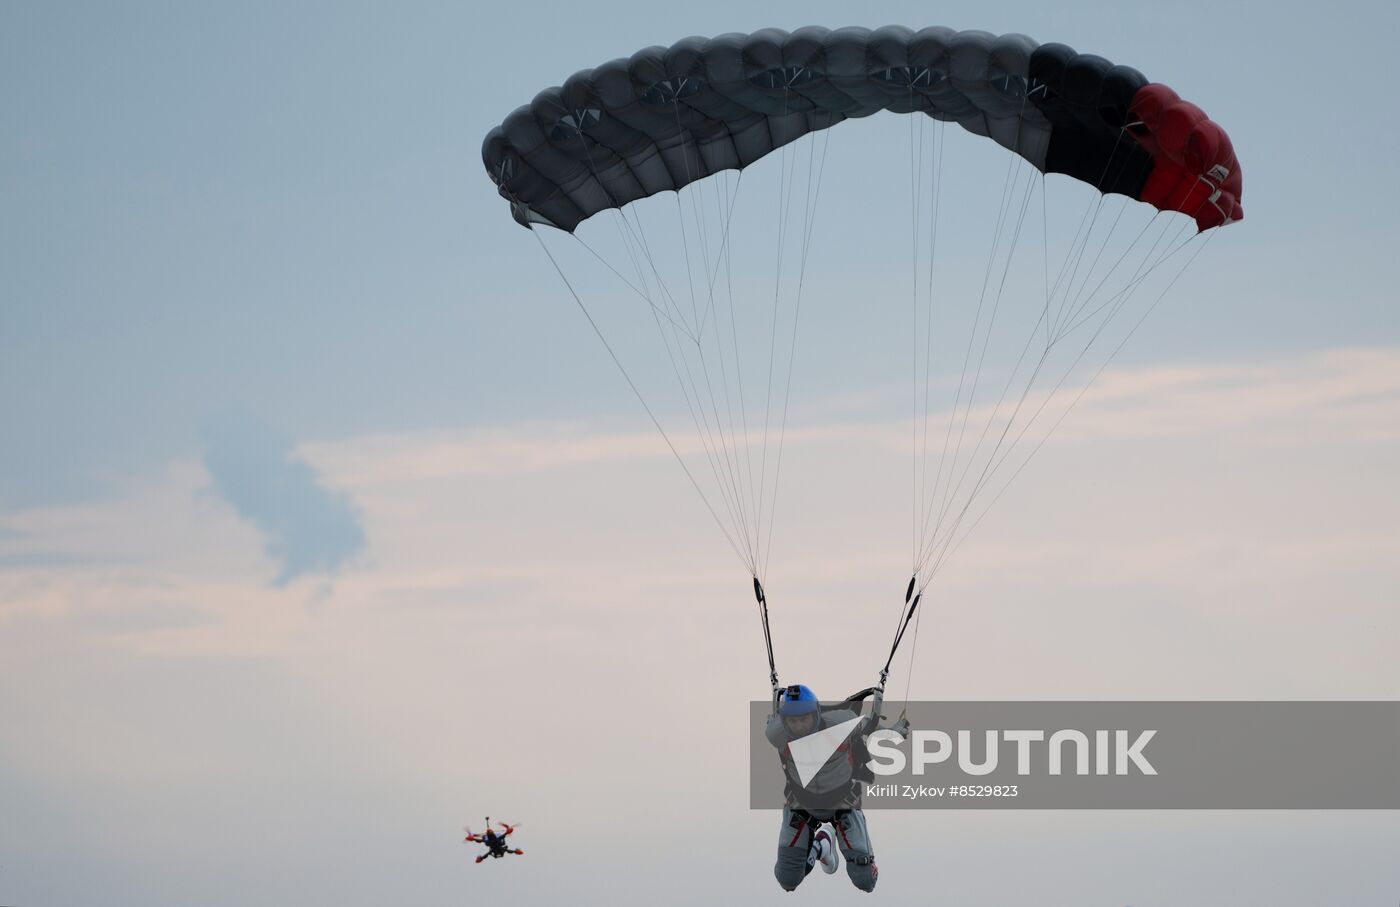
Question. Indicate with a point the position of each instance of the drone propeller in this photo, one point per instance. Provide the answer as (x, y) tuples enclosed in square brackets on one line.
[(476, 838)]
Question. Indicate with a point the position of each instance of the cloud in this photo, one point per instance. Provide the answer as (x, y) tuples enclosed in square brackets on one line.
[(1240, 477), (1345, 395), (306, 526)]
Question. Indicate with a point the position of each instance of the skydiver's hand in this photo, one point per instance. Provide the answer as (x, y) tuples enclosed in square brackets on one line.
[(901, 727)]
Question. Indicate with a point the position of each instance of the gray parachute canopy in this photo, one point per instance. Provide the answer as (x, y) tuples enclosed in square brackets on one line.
[(668, 116)]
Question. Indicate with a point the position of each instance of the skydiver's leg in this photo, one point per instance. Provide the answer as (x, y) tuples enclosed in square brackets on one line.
[(794, 843), (854, 839)]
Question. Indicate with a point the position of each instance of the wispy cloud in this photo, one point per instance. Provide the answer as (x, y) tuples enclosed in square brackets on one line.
[(308, 527), (1351, 394), (1245, 473)]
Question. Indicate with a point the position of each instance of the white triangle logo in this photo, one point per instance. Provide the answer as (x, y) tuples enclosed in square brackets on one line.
[(810, 753)]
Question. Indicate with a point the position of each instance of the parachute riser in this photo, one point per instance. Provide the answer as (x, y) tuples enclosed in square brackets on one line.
[(911, 602), (762, 598)]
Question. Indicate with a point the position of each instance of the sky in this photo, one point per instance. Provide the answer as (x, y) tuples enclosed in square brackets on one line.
[(327, 526)]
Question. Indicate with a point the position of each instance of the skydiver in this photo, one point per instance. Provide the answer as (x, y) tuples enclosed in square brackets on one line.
[(830, 798)]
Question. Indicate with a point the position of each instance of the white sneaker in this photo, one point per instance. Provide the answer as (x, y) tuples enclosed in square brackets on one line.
[(827, 854)]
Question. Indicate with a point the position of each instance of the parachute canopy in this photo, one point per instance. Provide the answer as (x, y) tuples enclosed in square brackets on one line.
[(1003, 345), (668, 116)]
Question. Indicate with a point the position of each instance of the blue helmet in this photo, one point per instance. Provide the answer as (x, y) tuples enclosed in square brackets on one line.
[(798, 700)]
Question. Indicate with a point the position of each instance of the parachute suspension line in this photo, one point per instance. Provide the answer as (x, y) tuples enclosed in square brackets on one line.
[(812, 196), (726, 213), (727, 478), (639, 234), (634, 241), (1138, 275), (920, 425), (986, 340), (1073, 255), (624, 229), (680, 216), (1045, 254), (1080, 234), (773, 331), (699, 214), (993, 466), (1074, 304), (1059, 329), (691, 396), (734, 335), (971, 340), (721, 447), (1031, 174), (643, 250), (1072, 287), (991, 420), (645, 297), (992, 463), (948, 497), (1096, 207), (718, 433), (916, 166), (620, 221), (639, 238), (743, 492), (787, 185), (937, 149), (744, 470), (1084, 390), (618, 362), (688, 391), (1070, 271), (633, 244), (1108, 165), (920, 536), (1073, 298)]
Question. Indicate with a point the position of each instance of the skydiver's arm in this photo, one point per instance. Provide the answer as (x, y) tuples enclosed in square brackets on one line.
[(900, 726)]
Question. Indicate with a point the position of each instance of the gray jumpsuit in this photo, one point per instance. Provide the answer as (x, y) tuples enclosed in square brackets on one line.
[(829, 798)]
